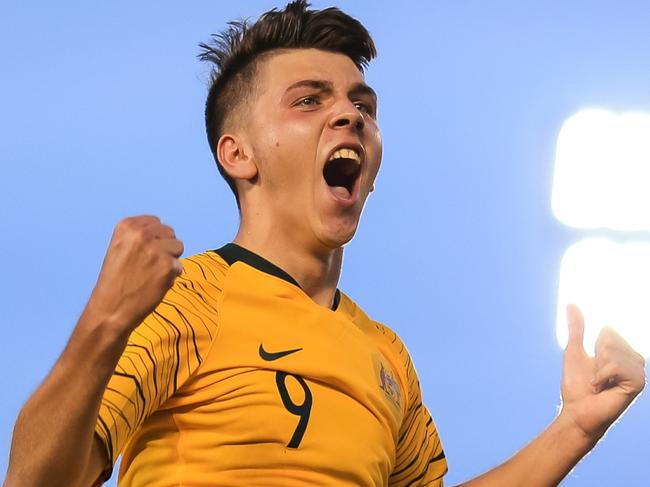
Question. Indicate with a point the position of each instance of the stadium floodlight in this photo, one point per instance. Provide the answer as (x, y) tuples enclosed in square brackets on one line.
[(610, 282), (602, 171)]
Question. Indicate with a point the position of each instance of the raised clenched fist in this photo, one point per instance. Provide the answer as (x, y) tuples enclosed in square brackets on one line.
[(140, 266)]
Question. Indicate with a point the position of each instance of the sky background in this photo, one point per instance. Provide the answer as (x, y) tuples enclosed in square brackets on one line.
[(101, 116)]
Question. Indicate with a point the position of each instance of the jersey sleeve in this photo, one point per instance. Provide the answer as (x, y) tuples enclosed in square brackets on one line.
[(420, 458), (161, 354)]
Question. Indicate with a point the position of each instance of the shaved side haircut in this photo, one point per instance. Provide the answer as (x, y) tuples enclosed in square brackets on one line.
[(236, 53)]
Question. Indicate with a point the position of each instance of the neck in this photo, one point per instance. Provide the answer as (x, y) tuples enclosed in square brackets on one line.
[(317, 273)]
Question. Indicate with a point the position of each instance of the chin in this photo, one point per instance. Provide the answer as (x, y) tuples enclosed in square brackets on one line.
[(334, 238)]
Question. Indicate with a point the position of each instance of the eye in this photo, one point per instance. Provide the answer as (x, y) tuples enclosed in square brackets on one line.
[(364, 107), (308, 101)]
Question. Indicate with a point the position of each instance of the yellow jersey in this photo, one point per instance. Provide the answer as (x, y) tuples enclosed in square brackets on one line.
[(239, 378)]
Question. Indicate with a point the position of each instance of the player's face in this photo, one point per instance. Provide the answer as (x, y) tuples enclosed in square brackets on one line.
[(316, 144)]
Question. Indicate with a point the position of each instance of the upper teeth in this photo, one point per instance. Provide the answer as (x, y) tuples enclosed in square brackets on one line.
[(346, 154)]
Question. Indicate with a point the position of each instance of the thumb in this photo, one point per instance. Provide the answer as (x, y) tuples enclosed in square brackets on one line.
[(576, 323)]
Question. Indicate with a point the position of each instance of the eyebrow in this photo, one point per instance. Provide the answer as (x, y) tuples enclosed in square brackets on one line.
[(363, 89), (316, 84), (328, 87)]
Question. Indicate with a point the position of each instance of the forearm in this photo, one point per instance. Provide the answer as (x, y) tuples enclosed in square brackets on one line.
[(53, 436), (544, 462)]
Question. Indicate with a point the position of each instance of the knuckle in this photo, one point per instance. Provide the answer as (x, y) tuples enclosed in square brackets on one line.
[(144, 233), (139, 238), (124, 224), (604, 353), (150, 220), (641, 359), (606, 339), (610, 344)]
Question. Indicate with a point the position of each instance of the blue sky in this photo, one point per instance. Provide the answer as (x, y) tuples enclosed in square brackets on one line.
[(101, 117)]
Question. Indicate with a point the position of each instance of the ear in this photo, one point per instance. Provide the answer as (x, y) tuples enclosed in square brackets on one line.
[(236, 157)]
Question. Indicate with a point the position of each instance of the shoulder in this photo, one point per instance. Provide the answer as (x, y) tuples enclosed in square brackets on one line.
[(205, 266), (191, 305), (376, 330), (385, 338)]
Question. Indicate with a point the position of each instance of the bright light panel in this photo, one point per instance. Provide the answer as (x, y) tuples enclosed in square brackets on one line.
[(602, 171), (610, 283)]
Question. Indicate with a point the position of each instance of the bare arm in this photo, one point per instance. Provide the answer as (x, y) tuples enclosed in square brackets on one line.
[(543, 462), (54, 431), (595, 392), (54, 442)]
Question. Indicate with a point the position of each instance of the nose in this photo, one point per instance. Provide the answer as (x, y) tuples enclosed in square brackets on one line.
[(348, 116)]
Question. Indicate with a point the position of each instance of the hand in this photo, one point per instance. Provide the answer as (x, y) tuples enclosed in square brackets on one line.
[(596, 390), (140, 266)]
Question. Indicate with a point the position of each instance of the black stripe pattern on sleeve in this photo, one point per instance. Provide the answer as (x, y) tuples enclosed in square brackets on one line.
[(420, 458), (162, 352)]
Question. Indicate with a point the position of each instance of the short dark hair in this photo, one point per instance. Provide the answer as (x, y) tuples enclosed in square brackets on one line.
[(235, 54)]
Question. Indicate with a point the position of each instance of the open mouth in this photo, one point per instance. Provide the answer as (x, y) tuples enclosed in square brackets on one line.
[(341, 172)]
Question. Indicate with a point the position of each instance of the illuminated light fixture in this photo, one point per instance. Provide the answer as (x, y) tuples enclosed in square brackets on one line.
[(610, 282), (602, 171)]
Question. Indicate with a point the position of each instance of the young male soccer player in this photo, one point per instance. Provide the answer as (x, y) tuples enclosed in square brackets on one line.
[(246, 365)]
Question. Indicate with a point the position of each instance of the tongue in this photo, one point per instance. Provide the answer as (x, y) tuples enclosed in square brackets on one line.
[(340, 192)]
